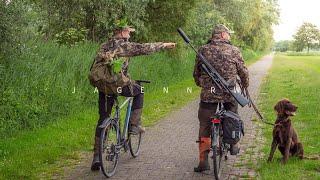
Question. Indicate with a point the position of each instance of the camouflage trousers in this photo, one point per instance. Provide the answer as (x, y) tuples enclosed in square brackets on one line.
[(206, 111), (106, 102)]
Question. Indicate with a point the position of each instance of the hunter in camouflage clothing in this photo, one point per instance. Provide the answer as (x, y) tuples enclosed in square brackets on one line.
[(119, 46), (228, 62)]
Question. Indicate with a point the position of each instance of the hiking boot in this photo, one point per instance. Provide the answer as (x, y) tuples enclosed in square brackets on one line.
[(135, 120), (95, 165), (204, 149), (235, 149)]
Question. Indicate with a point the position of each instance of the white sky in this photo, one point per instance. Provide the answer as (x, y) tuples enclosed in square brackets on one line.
[(292, 14)]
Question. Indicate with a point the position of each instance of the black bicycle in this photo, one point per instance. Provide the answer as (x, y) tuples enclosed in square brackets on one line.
[(112, 139), (218, 147)]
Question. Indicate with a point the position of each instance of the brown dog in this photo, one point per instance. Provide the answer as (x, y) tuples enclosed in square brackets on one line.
[(284, 135)]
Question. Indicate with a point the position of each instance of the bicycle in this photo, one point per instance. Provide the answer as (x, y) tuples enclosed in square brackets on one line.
[(218, 147), (112, 139)]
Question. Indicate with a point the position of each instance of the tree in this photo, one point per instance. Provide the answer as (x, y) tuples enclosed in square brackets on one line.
[(251, 20), (165, 16), (306, 36), (12, 23)]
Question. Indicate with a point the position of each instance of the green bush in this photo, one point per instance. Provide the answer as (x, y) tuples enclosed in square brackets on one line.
[(71, 36)]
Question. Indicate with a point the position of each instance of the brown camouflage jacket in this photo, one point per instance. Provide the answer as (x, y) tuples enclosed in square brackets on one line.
[(228, 62), (120, 47)]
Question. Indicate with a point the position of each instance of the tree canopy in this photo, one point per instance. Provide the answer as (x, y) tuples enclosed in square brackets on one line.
[(307, 36), (72, 21)]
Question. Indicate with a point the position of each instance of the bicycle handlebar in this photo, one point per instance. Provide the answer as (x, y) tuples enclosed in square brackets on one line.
[(142, 81)]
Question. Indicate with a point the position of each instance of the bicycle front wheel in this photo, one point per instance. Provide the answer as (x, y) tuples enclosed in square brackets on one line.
[(217, 152), (134, 140), (109, 149)]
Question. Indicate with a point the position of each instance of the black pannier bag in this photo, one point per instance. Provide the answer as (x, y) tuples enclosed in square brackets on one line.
[(232, 127)]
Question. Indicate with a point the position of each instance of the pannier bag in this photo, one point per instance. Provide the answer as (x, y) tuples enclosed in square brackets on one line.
[(232, 127)]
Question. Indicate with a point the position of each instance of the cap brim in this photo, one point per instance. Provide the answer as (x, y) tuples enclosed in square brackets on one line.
[(231, 32)]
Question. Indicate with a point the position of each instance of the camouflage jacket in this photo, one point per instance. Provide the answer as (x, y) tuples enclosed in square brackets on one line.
[(228, 62), (123, 48)]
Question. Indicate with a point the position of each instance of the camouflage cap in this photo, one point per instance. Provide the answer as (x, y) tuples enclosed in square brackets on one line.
[(219, 28)]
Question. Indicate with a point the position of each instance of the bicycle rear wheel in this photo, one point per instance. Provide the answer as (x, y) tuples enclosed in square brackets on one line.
[(109, 151), (134, 143), (217, 151)]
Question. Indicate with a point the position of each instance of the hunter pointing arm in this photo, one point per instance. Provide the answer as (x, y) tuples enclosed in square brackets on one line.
[(129, 49)]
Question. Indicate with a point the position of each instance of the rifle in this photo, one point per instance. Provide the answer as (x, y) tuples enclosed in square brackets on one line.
[(215, 76)]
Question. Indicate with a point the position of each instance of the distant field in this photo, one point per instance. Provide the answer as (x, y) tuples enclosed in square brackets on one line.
[(296, 78)]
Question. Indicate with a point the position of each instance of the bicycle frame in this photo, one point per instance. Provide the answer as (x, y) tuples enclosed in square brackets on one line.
[(128, 101)]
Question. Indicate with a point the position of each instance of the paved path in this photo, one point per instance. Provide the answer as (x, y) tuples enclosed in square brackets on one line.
[(169, 150)]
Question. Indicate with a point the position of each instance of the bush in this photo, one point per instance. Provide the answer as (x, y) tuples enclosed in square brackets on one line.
[(71, 36)]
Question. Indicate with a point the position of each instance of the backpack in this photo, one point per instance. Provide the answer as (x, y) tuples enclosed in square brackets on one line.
[(106, 73), (232, 127)]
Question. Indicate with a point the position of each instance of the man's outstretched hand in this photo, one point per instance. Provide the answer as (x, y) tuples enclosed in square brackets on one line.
[(169, 45)]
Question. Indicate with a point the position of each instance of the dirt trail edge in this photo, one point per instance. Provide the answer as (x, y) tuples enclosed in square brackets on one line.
[(169, 149)]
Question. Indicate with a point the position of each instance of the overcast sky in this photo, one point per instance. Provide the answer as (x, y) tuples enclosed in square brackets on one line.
[(292, 14)]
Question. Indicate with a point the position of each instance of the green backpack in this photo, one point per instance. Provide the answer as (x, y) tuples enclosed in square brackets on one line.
[(106, 72)]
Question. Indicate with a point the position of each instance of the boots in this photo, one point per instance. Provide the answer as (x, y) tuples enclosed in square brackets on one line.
[(204, 149), (135, 120), (95, 166)]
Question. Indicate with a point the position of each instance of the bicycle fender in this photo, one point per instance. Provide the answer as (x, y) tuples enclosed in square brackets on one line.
[(105, 123)]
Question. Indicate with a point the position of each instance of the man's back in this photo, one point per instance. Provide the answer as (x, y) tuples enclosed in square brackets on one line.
[(228, 62)]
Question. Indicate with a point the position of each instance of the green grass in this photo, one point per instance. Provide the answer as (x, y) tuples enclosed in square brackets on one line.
[(44, 126), (296, 78), (303, 53)]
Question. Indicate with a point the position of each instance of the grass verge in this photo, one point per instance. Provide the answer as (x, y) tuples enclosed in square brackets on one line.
[(296, 78)]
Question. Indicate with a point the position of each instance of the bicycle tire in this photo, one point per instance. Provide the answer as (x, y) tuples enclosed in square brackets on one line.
[(217, 153), (106, 132), (134, 144)]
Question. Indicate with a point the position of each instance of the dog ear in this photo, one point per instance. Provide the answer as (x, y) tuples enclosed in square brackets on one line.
[(279, 107)]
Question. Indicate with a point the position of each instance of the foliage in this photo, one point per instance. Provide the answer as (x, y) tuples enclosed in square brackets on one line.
[(308, 35), (283, 46), (71, 36), (251, 20), (164, 17), (11, 24), (98, 16), (201, 20)]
